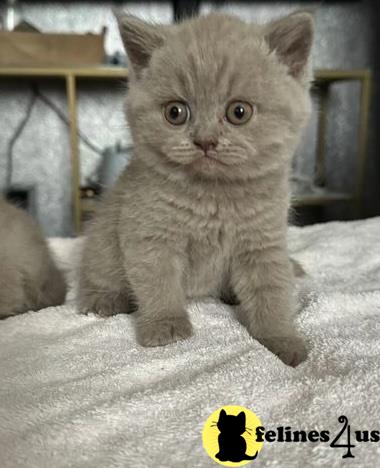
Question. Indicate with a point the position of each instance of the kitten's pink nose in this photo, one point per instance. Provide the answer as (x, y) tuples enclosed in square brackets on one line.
[(206, 144)]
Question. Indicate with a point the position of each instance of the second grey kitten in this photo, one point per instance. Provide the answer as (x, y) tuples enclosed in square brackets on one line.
[(29, 278)]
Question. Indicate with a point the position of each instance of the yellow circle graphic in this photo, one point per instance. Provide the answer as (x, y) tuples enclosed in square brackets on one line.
[(229, 436)]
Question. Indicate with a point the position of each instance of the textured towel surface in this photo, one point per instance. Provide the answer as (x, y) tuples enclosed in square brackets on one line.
[(76, 391)]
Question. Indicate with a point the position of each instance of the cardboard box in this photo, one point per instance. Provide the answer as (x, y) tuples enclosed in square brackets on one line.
[(20, 49)]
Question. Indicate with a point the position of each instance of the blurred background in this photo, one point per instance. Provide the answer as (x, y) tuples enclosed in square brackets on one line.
[(63, 137)]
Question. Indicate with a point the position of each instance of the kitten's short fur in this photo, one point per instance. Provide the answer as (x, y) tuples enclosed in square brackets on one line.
[(29, 279), (185, 222)]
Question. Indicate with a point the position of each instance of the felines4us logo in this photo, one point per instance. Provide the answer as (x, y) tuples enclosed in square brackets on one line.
[(234, 436)]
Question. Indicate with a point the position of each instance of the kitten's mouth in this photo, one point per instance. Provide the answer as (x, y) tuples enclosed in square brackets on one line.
[(209, 159)]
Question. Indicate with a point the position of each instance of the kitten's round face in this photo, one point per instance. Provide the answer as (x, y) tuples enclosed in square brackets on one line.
[(214, 103)]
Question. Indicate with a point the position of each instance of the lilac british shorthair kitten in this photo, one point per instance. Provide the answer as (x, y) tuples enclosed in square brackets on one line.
[(216, 107)]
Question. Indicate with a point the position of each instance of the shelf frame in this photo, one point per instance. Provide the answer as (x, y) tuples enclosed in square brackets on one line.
[(70, 75), (323, 79)]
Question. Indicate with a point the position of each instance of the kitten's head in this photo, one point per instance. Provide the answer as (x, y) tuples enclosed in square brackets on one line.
[(216, 98), (234, 425)]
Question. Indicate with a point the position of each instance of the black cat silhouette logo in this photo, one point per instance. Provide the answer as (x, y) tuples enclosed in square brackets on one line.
[(232, 445), (228, 436)]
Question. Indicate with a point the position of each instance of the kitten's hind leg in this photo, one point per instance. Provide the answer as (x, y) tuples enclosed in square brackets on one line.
[(52, 292), (103, 286), (105, 302)]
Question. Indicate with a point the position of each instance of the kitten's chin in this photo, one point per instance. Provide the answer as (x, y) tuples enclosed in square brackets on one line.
[(208, 166)]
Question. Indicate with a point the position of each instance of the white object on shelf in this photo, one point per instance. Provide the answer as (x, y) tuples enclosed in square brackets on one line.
[(12, 15)]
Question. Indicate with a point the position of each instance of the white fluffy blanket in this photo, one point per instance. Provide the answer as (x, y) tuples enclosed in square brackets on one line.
[(76, 391)]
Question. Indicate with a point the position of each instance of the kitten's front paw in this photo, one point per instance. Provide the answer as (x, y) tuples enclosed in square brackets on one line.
[(290, 349), (164, 331)]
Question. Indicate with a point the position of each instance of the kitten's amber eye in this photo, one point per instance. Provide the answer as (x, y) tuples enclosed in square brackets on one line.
[(239, 112), (176, 112)]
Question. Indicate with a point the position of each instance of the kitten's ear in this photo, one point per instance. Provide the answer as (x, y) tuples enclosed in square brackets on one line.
[(291, 38), (241, 417), (222, 414), (140, 39)]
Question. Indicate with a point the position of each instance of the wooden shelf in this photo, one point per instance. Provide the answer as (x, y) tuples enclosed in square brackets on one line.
[(320, 199), (88, 206), (341, 75), (322, 77), (70, 75), (77, 72), (109, 71)]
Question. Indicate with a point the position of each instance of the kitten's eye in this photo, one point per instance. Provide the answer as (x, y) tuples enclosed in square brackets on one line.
[(239, 112), (176, 112)]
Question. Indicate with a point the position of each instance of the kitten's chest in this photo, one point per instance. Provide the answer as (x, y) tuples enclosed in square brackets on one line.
[(207, 262), (208, 253), (210, 231)]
